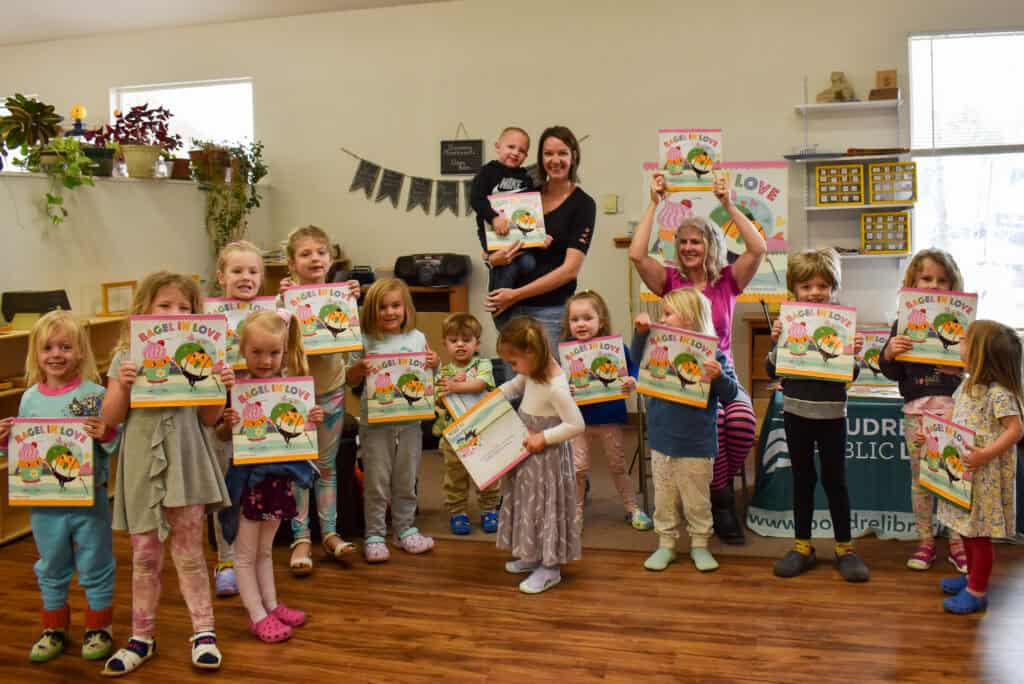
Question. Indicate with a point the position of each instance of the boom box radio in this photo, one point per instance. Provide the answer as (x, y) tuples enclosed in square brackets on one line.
[(432, 270)]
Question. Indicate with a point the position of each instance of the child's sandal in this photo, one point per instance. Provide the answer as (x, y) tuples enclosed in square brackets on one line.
[(130, 658), (301, 565), (293, 617), (270, 630), (336, 547), (205, 654)]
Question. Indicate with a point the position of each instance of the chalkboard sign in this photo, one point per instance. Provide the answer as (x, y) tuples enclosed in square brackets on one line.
[(461, 157)]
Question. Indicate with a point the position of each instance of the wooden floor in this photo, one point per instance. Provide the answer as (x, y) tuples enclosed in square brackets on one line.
[(454, 615)]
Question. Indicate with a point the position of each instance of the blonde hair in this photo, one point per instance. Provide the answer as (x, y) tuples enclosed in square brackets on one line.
[(461, 322), (993, 356), (290, 333), (369, 317), (514, 129), (811, 263), (943, 259), (604, 326), (526, 336), (688, 303), (239, 246), (147, 291), (714, 246), (43, 330), (306, 232)]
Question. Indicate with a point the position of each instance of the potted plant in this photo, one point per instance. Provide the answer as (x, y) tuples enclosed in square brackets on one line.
[(141, 135), (209, 161), (228, 204), (29, 123), (177, 169), (66, 165)]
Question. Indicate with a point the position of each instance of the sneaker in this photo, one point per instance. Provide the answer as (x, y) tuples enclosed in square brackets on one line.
[(51, 643), (852, 568), (639, 520), (460, 524), (521, 567), (224, 579), (489, 521), (958, 557), (923, 557), (540, 580), (794, 563), (97, 644), (964, 603), (953, 585)]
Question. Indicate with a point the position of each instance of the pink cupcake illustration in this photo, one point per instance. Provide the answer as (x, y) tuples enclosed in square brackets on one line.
[(254, 421), (931, 452), (307, 321), (156, 365), (30, 465), (917, 325), (384, 391), (673, 214), (797, 339), (578, 374), (674, 160)]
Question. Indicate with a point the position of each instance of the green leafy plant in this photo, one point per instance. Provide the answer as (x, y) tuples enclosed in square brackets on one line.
[(229, 203), (30, 123), (65, 164)]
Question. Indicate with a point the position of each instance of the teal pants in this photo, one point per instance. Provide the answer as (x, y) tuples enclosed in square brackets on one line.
[(69, 539)]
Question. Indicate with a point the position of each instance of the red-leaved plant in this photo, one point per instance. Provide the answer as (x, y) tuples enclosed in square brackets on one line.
[(140, 126)]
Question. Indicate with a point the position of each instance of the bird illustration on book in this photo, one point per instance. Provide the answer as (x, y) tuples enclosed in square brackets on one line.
[(411, 386), (949, 328), (194, 362), (828, 343), (700, 161), (334, 318), (952, 464), (64, 465), (688, 370), (289, 421), (605, 370), (524, 220), (870, 359)]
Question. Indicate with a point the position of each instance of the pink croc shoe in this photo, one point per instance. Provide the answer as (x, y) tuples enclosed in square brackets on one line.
[(270, 630), (414, 542), (292, 617)]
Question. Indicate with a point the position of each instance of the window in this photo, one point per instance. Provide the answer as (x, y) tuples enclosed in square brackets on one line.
[(967, 134), (221, 111)]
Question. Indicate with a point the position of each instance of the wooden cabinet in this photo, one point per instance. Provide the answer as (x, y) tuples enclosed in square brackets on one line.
[(759, 384)]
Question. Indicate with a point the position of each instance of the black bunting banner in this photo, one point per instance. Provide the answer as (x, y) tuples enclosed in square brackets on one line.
[(365, 178), (447, 197), (390, 186), (420, 190), (467, 192)]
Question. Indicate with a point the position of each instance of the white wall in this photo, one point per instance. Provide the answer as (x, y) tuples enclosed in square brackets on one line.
[(390, 83)]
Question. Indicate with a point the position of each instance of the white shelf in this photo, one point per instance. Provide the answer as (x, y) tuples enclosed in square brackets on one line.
[(873, 256), (859, 106), (850, 157), (859, 207)]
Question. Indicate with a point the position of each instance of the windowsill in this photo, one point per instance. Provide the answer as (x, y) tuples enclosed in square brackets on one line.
[(118, 179)]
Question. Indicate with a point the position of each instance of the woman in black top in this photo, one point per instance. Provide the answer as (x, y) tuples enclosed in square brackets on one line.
[(569, 215)]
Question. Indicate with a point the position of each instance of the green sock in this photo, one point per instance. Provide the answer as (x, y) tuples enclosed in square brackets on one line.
[(802, 546)]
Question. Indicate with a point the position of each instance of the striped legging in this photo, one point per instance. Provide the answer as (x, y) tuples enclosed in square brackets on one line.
[(736, 432)]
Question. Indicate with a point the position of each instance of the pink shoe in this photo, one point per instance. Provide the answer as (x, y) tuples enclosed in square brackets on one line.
[(376, 551), (923, 557), (292, 617), (270, 630), (414, 542), (958, 556)]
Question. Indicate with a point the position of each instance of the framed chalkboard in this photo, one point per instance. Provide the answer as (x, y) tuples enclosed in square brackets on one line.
[(461, 157)]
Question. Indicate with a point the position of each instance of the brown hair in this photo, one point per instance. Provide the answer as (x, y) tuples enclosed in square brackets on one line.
[(566, 136), (369, 317), (604, 326), (147, 291), (714, 246), (514, 129), (461, 322), (814, 262), (290, 333), (43, 330), (943, 259), (526, 336), (310, 232), (993, 356)]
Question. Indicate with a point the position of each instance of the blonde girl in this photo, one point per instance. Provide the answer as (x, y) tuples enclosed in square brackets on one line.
[(391, 451), (586, 316), (924, 387), (271, 343), (240, 273), (62, 383), (167, 476), (537, 522), (309, 261), (988, 402), (684, 439)]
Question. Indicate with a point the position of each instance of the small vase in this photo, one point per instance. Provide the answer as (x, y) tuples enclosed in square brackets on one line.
[(141, 159), (102, 158)]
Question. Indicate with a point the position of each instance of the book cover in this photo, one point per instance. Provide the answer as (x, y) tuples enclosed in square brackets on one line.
[(50, 463), (935, 321), (275, 423), (400, 387), (816, 341), (596, 368), (176, 357), (688, 155), (525, 215), (328, 316), (488, 439), (868, 359), (235, 311), (673, 366), (942, 470)]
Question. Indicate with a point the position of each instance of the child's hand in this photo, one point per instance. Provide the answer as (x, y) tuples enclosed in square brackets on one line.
[(657, 188), (227, 375), (721, 189), (316, 415), (285, 283), (355, 287), (127, 373), (712, 369), (500, 225), (976, 457), (433, 360), (858, 343), (776, 330), (360, 369), (535, 443), (94, 427), (642, 323), (231, 417), (547, 241), (900, 344), (443, 386), (5, 428), (460, 376), (629, 383)]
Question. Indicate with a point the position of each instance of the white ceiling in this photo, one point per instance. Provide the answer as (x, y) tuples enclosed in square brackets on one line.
[(30, 21)]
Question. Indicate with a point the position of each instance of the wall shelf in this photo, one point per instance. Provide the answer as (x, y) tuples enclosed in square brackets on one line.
[(851, 157), (858, 106), (859, 207)]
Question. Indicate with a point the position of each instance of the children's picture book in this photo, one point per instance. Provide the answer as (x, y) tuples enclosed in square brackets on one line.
[(596, 369), (50, 463), (235, 311), (942, 470), (816, 341), (673, 366), (328, 316), (400, 387), (274, 423), (877, 392), (176, 357), (936, 322), (688, 155), (459, 404), (868, 359), (525, 215), (489, 439)]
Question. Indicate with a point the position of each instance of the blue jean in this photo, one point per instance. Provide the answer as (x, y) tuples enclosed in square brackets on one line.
[(70, 538), (509, 275)]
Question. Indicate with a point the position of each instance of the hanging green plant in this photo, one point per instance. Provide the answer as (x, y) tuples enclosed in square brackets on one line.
[(65, 164), (229, 201)]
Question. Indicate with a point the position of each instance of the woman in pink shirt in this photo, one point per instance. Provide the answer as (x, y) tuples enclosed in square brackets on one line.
[(701, 263)]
